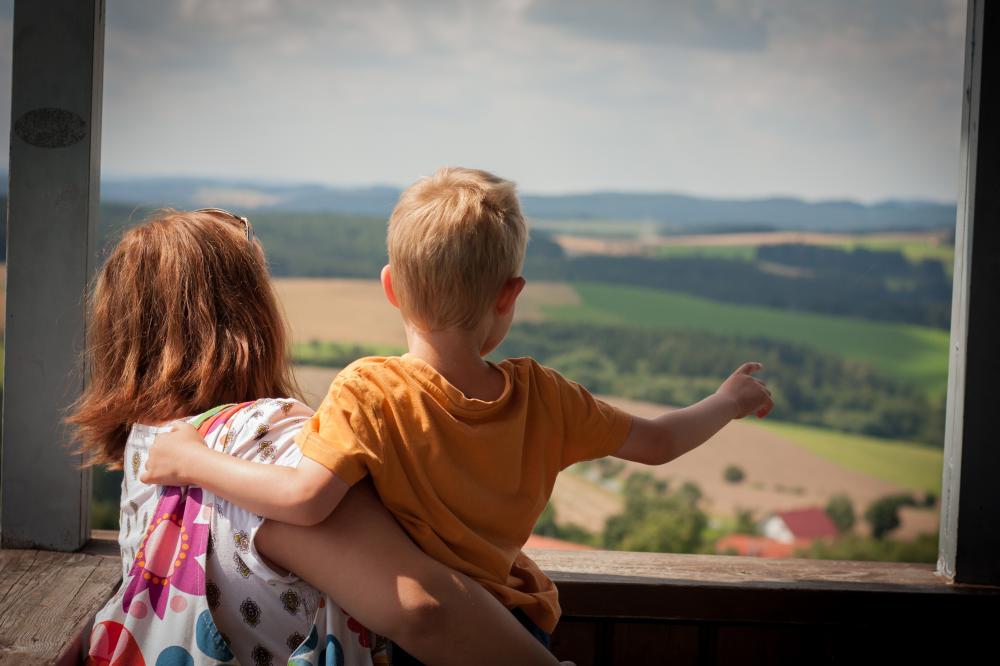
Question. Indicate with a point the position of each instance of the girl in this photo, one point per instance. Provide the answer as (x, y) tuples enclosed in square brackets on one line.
[(184, 319)]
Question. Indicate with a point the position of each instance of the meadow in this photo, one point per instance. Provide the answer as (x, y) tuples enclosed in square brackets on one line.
[(356, 311), (787, 466), (906, 464), (914, 353), (326, 267), (915, 248), (636, 239)]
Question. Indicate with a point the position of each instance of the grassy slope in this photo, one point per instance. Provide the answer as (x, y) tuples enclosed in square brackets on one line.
[(910, 352), (913, 250), (911, 465)]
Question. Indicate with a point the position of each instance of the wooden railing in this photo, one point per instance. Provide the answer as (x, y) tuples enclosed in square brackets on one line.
[(645, 608), (618, 608), (47, 601)]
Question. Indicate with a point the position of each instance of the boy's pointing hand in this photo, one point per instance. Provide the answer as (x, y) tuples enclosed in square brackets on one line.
[(748, 394)]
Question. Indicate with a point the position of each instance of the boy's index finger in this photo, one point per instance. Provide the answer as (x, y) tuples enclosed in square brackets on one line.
[(749, 368)]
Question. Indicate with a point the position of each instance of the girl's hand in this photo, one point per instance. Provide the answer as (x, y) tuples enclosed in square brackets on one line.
[(173, 456), (748, 394)]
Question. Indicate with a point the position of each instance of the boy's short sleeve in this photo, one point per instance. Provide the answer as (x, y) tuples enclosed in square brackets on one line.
[(344, 434), (592, 427)]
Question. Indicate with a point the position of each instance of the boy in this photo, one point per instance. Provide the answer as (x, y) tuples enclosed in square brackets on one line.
[(464, 452)]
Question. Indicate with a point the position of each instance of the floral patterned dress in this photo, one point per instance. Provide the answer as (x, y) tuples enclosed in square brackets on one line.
[(260, 615)]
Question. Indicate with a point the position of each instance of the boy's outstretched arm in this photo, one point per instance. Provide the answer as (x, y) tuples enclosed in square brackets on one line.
[(660, 440), (302, 495)]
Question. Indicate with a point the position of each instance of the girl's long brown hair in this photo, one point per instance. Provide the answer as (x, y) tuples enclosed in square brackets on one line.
[(182, 318)]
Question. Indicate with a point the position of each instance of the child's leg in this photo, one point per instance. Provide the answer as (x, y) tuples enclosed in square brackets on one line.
[(402, 658), (362, 558)]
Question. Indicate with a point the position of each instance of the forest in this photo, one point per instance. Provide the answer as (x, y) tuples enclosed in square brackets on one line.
[(856, 282)]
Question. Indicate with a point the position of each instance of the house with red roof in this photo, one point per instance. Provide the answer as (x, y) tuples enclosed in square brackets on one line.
[(783, 533), (754, 546), (799, 525)]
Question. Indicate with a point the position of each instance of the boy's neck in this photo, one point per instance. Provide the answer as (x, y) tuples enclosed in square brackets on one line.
[(455, 355)]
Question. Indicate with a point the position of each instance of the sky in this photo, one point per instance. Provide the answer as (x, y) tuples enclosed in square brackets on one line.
[(826, 99)]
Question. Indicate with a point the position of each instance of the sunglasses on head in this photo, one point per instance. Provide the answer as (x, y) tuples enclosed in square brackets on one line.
[(247, 227)]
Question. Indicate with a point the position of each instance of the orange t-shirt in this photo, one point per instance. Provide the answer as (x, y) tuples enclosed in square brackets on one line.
[(466, 478)]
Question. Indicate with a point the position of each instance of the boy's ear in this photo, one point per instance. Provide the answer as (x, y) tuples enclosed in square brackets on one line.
[(387, 286), (508, 294)]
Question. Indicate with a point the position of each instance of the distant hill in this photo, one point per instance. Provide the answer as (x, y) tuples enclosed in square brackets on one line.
[(682, 213), (672, 212)]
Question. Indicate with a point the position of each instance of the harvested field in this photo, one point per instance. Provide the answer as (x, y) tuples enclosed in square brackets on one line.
[(341, 310), (780, 474), (539, 295), (356, 311), (582, 502)]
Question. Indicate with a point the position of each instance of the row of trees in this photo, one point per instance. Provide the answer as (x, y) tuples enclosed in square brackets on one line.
[(681, 367), (654, 520), (882, 515), (880, 285)]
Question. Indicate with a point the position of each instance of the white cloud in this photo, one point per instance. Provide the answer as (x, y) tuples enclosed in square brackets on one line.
[(819, 99)]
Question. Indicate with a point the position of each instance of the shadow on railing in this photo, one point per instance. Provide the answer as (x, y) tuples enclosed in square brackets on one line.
[(618, 608), (645, 608)]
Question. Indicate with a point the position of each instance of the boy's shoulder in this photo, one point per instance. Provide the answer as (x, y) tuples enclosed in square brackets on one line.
[(368, 374), (526, 367), (548, 386), (364, 366)]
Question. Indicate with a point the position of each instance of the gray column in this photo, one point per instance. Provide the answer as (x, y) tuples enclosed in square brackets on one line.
[(970, 502), (53, 206)]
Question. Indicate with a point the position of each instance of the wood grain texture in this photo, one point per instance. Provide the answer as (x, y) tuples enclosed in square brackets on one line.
[(576, 642), (604, 585), (656, 643), (603, 565), (47, 599)]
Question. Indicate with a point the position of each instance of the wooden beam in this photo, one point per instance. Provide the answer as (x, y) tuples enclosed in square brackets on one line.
[(970, 505), (605, 585), (48, 600), (53, 206)]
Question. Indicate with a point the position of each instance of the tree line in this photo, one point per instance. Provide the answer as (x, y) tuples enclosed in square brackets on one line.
[(681, 367), (868, 284), (659, 519), (874, 285)]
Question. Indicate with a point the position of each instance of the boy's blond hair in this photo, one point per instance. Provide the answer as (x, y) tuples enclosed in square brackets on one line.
[(455, 238)]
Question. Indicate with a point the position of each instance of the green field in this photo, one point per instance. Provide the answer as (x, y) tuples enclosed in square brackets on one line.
[(913, 250), (906, 464), (913, 353)]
